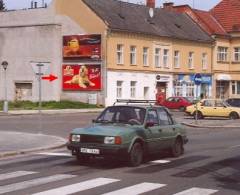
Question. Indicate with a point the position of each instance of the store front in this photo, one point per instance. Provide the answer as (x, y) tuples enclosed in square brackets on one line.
[(184, 86), (223, 86)]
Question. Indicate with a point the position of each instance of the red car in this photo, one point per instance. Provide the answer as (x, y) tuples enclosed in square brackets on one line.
[(176, 103)]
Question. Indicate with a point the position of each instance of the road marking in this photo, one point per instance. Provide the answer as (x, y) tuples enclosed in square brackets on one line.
[(15, 174), (161, 161), (137, 189), (33, 183), (197, 191), (55, 154), (78, 187)]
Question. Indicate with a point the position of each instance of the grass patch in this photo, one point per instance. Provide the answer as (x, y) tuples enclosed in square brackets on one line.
[(50, 105)]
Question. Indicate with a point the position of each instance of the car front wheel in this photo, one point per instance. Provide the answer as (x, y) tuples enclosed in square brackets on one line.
[(177, 149), (136, 155)]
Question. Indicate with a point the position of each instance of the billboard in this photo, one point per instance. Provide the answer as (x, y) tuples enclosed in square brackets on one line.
[(81, 77), (82, 47)]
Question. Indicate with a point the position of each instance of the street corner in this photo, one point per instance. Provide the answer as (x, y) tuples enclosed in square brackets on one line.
[(15, 143)]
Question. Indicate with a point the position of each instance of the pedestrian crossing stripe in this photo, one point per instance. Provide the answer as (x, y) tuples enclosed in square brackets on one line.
[(33, 183), (15, 174), (137, 189), (197, 191), (78, 187)]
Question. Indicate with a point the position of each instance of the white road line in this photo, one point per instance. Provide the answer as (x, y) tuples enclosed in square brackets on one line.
[(55, 154), (78, 187), (15, 174), (197, 191), (33, 183), (160, 161), (137, 189)]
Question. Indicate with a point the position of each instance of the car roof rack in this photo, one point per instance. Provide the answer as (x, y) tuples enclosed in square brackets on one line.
[(129, 101)]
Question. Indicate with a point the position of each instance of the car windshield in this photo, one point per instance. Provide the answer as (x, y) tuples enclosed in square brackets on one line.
[(123, 114)]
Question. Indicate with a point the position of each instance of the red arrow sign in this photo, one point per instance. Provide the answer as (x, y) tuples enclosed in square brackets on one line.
[(50, 77)]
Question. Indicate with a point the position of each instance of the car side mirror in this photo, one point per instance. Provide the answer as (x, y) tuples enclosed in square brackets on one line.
[(94, 120), (149, 124)]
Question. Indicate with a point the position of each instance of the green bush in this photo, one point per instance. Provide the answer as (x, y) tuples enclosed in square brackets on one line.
[(28, 105)]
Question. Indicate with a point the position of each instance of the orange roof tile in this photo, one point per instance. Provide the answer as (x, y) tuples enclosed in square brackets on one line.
[(227, 12)]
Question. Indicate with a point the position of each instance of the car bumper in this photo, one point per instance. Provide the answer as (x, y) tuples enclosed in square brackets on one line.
[(104, 150)]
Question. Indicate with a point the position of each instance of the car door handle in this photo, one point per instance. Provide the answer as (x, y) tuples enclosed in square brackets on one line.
[(174, 129), (160, 130)]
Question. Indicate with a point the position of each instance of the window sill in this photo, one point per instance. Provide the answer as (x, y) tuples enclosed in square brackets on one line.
[(120, 64), (223, 62), (235, 62)]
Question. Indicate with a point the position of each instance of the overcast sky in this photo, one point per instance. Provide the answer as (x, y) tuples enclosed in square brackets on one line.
[(198, 4)]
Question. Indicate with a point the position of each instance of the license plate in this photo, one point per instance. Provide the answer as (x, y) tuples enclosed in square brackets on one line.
[(90, 151)]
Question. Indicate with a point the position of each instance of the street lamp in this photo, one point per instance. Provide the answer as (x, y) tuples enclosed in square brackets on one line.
[(5, 104)]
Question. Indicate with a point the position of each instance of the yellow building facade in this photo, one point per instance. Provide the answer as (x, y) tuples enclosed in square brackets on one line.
[(138, 65)]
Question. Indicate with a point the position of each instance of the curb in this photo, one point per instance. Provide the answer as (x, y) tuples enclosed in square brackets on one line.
[(206, 126), (62, 111), (27, 151)]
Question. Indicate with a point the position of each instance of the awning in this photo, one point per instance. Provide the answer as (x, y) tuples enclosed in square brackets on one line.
[(224, 77)]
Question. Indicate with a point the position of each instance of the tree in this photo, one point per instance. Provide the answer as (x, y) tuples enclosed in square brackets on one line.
[(2, 5)]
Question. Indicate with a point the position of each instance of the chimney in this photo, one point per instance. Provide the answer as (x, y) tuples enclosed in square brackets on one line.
[(151, 3), (168, 5), (31, 4), (35, 4)]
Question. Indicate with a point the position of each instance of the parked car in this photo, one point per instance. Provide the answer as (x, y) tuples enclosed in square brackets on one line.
[(129, 132), (213, 108), (235, 102), (176, 103)]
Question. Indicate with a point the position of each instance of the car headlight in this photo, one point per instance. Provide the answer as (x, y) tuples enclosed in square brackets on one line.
[(109, 140), (75, 138), (113, 140)]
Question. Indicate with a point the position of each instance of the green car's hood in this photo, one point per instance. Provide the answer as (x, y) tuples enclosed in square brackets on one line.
[(105, 129)]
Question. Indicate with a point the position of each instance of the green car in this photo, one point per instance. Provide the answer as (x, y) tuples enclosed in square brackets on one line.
[(129, 132)]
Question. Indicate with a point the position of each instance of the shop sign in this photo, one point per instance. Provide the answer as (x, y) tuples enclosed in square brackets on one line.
[(81, 77), (197, 79), (82, 47)]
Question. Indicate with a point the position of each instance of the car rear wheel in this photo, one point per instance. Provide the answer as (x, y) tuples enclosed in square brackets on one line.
[(233, 115), (136, 155), (177, 149), (197, 115)]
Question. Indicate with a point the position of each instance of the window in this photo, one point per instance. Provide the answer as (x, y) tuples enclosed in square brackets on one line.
[(133, 89), (152, 117), (236, 87), (237, 54), (157, 57), (178, 88), (189, 89), (204, 61), (119, 89), (119, 54), (176, 59), (146, 93), (145, 56), (165, 58), (190, 60), (164, 117), (23, 91), (222, 54), (133, 55)]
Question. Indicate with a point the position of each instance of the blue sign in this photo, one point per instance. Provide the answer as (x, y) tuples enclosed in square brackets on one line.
[(198, 79)]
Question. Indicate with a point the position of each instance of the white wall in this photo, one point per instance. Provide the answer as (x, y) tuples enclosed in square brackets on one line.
[(143, 80)]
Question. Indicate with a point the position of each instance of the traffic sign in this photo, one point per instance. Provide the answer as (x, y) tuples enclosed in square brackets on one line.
[(50, 77), (41, 68), (197, 79)]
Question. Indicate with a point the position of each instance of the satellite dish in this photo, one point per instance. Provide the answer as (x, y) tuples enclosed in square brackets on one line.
[(151, 12)]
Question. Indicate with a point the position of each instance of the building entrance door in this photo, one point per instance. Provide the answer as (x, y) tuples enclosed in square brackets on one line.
[(161, 88), (222, 89)]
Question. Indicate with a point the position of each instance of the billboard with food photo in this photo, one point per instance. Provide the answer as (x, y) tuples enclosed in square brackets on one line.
[(81, 77), (82, 47)]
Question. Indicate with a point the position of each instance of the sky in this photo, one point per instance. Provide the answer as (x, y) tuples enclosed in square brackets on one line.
[(198, 4)]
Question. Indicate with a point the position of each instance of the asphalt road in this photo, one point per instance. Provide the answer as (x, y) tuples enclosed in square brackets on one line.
[(210, 164)]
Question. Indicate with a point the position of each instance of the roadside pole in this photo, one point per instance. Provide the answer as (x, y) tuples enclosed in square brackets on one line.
[(40, 74), (197, 81)]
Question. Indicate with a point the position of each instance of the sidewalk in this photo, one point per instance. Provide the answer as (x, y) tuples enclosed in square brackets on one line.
[(210, 122), (14, 143)]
